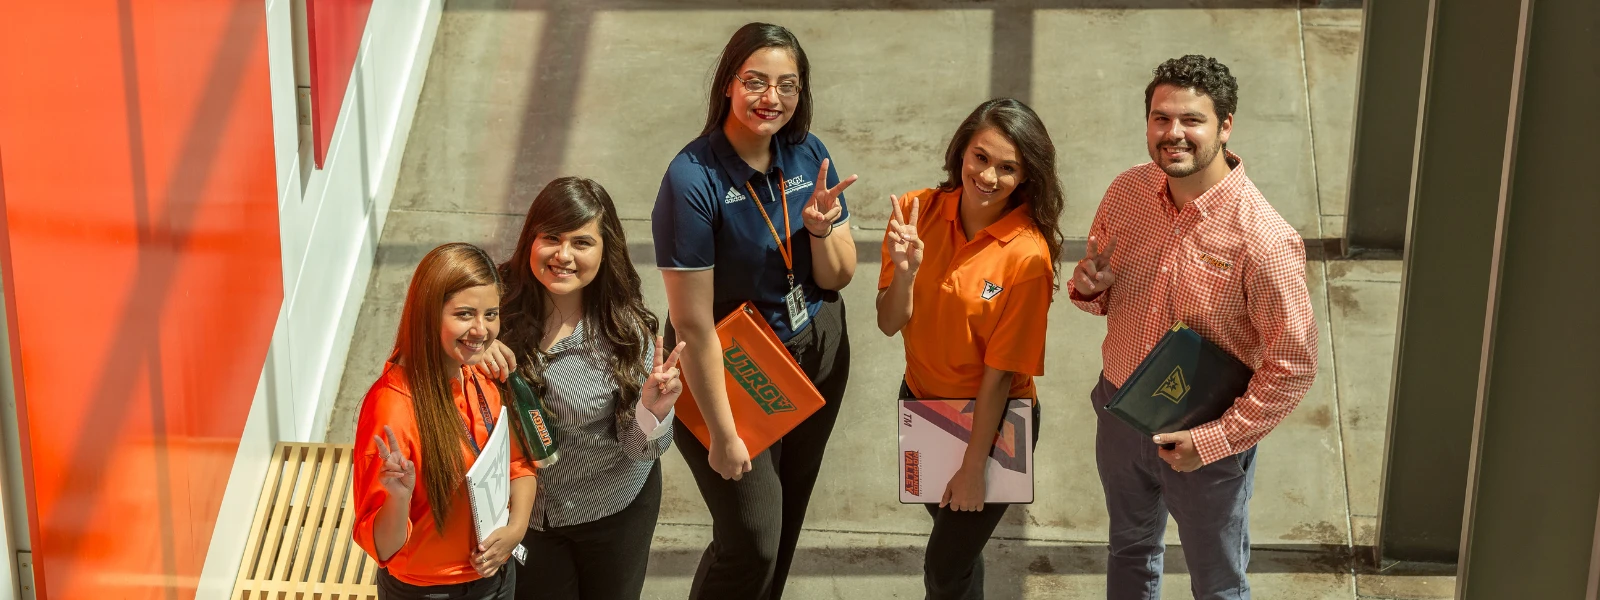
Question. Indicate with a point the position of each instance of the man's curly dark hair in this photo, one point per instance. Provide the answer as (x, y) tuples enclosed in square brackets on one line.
[(1204, 75)]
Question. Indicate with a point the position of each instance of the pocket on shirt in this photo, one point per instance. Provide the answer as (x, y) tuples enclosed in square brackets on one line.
[(1209, 286)]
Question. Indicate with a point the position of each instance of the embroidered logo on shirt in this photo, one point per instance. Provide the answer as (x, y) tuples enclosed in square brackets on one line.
[(1216, 263), (1174, 388), (797, 183), (990, 290), (755, 381), (732, 197)]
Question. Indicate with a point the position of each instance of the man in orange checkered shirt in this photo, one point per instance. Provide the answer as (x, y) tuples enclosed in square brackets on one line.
[(1188, 237)]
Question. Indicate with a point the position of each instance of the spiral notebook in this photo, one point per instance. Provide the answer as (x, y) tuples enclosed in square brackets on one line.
[(489, 482)]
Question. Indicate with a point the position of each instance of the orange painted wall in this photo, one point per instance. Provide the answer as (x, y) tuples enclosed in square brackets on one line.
[(142, 275)]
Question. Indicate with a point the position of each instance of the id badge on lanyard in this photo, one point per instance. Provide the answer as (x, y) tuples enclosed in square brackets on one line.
[(795, 300)]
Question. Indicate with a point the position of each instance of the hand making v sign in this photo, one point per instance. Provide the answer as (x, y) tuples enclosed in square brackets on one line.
[(905, 248), (397, 474), (823, 208), (664, 386), (1093, 274)]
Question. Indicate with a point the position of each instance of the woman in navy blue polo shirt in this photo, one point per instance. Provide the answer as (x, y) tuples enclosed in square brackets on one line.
[(751, 211)]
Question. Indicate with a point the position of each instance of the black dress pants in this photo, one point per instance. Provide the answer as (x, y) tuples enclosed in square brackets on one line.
[(603, 559), (756, 521)]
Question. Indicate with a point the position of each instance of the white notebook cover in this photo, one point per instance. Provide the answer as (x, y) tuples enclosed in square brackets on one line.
[(489, 482), (933, 438)]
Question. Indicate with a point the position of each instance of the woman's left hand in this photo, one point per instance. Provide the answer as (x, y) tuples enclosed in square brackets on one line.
[(662, 389), (965, 491), (493, 552), (823, 208)]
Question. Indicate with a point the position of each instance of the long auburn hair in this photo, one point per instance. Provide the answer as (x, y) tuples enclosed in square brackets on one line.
[(613, 307), (745, 42), (1041, 187), (443, 273)]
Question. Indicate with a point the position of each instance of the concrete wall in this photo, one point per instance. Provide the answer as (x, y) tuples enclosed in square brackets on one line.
[(330, 220)]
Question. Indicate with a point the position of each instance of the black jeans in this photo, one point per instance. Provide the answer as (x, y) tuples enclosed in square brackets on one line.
[(499, 587), (952, 567), (604, 559), (756, 520)]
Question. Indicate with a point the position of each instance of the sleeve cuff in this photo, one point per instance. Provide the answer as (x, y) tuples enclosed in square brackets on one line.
[(1097, 306), (1210, 442), (366, 538), (648, 425), (522, 467), (1017, 367)]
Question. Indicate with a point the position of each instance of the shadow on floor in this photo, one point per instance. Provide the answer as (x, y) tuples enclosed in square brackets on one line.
[(1061, 559)]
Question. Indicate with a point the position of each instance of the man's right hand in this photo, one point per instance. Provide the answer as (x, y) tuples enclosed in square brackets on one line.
[(1093, 274), (729, 458)]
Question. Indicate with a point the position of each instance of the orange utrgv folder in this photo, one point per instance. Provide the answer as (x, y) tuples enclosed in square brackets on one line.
[(767, 392)]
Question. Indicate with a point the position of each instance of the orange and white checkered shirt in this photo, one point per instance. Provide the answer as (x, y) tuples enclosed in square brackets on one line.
[(1229, 267)]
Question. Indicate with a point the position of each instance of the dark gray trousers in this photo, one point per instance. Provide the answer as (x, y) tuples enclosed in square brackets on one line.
[(1211, 506)]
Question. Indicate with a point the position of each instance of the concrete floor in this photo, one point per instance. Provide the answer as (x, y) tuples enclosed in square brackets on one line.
[(518, 93)]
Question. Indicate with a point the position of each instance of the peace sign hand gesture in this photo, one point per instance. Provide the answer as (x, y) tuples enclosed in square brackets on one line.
[(1093, 274), (664, 386), (397, 474), (905, 248), (823, 208)]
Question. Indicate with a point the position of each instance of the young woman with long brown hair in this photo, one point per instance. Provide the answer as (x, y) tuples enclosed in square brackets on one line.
[(422, 425), (977, 257), (578, 330)]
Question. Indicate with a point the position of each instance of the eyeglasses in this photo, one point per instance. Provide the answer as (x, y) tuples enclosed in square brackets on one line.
[(756, 85)]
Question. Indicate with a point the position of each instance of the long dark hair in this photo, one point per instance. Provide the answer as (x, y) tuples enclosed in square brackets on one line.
[(745, 42), (613, 307), (444, 272), (1041, 188)]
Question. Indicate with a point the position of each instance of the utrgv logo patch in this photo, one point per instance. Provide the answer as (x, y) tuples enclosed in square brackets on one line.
[(797, 183), (754, 381), (732, 197), (990, 290)]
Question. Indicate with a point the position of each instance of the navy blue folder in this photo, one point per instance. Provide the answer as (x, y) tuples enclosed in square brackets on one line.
[(1186, 381)]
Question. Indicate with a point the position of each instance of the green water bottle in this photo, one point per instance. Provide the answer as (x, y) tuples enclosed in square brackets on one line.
[(533, 423)]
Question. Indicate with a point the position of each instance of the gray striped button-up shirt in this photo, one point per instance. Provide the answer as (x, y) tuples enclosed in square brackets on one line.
[(603, 464)]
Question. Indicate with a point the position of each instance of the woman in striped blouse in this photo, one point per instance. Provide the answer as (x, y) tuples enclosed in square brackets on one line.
[(576, 323)]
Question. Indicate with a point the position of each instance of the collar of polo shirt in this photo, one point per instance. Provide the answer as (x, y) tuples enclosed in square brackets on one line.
[(734, 166), (1014, 222)]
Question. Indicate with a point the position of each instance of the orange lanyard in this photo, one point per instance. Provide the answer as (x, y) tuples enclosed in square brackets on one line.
[(483, 408), (785, 242)]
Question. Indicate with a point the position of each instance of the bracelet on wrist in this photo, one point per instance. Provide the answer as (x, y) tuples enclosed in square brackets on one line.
[(830, 231)]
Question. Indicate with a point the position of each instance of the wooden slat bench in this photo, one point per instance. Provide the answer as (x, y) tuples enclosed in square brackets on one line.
[(300, 546)]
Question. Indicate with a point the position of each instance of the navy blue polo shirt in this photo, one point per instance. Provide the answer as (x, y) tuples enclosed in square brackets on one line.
[(704, 218)]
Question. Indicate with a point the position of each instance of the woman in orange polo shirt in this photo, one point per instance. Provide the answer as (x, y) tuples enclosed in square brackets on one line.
[(422, 425), (977, 258)]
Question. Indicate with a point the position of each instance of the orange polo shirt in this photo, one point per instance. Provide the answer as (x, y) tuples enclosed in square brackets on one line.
[(428, 557), (977, 302)]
